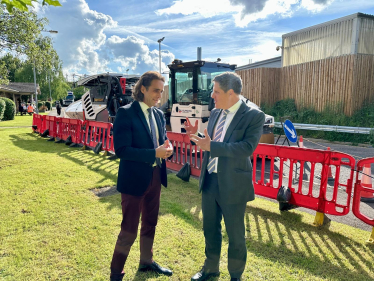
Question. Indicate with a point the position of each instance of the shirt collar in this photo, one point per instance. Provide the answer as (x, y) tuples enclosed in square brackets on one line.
[(235, 107), (144, 107)]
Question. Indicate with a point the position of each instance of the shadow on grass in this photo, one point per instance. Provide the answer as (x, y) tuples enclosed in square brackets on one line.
[(316, 250), (323, 265)]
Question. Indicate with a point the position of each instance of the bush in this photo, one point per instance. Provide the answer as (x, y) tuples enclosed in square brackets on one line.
[(10, 109), (48, 105), (2, 109)]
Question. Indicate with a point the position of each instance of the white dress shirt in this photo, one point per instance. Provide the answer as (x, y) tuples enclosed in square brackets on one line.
[(232, 111), (144, 108)]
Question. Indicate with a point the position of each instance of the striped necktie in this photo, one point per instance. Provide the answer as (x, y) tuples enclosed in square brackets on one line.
[(217, 136), (153, 133)]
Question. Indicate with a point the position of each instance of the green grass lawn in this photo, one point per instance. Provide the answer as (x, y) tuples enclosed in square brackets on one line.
[(53, 227), (19, 121)]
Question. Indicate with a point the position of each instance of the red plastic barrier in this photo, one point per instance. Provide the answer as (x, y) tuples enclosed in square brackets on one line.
[(305, 194), (69, 127), (51, 125), (184, 152), (37, 120), (96, 132), (359, 189), (63, 131)]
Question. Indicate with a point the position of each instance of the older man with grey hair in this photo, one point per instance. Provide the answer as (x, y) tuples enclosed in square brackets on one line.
[(233, 133)]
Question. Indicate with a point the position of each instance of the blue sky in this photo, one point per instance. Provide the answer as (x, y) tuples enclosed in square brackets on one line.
[(98, 36)]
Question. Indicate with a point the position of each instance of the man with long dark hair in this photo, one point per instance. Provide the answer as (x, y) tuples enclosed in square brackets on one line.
[(141, 143)]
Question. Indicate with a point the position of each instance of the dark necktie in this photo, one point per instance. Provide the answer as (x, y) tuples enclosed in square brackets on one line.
[(153, 134)]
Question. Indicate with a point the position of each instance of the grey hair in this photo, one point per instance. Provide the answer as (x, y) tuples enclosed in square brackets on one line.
[(229, 80)]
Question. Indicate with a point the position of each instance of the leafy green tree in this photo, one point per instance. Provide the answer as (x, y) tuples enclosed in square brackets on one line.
[(59, 87), (24, 5), (20, 34), (12, 64)]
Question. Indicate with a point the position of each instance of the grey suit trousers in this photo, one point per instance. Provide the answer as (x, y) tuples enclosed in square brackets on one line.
[(213, 209)]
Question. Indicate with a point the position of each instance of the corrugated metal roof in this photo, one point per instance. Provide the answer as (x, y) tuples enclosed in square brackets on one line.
[(353, 16), (261, 63)]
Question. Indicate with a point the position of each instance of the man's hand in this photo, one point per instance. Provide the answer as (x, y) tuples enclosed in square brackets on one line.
[(164, 151), (204, 143), (189, 128), (167, 144)]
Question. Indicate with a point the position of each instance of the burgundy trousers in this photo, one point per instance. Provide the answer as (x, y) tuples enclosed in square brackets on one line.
[(132, 206)]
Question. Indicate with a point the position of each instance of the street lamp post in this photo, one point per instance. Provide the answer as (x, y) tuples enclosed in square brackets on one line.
[(36, 89), (159, 50)]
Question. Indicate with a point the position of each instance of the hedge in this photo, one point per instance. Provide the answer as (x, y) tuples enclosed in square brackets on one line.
[(2, 109), (10, 109)]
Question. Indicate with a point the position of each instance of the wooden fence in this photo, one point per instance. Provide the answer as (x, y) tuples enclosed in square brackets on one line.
[(340, 83)]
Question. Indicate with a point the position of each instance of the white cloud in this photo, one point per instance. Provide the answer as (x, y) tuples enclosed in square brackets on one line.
[(83, 46), (131, 53), (243, 11), (207, 8)]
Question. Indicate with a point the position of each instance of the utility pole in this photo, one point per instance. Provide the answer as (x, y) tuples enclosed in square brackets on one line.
[(159, 50)]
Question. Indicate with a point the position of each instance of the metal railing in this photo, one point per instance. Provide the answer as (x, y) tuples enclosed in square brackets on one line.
[(328, 128)]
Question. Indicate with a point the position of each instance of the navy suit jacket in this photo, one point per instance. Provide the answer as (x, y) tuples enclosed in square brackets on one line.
[(134, 146), (234, 166)]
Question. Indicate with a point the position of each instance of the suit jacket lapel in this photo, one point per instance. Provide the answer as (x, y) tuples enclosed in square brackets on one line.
[(235, 121), (142, 117), (213, 122), (158, 121)]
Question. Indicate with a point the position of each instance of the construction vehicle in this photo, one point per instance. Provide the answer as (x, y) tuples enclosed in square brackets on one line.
[(190, 88), (107, 92)]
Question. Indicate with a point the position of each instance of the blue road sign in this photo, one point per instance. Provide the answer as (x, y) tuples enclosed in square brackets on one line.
[(290, 131)]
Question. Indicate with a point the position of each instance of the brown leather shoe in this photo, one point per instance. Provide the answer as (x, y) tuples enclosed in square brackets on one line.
[(155, 268), (204, 275)]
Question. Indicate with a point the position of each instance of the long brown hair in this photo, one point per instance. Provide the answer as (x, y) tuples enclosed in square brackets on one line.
[(146, 81)]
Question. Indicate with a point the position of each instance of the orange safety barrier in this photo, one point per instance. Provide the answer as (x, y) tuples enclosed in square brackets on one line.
[(184, 152), (293, 162), (96, 132)]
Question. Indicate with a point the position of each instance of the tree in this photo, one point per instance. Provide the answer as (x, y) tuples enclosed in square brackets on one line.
[(20, 33), (59, 86), (12, 64), (24, 5)]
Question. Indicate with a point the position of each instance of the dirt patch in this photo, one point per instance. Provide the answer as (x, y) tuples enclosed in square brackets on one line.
[(105, 191)]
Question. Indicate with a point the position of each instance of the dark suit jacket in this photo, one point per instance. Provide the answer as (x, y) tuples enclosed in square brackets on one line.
[(134, 146), (234, 169)]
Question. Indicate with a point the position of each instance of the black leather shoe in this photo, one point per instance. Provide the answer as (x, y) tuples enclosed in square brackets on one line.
[(117, 277), (204, 275), (155, 268)]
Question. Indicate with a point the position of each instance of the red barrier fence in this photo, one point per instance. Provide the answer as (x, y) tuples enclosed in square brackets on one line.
[(96, 132), (360, 190), (39, 122), (184, 152), (307, 170), (313, 193), (51, 125), (70, 127)]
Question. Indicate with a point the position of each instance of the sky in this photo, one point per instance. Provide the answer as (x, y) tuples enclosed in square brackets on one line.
[(96, 36)]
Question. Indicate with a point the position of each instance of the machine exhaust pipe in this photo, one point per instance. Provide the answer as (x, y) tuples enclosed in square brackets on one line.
[(198, 53)]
